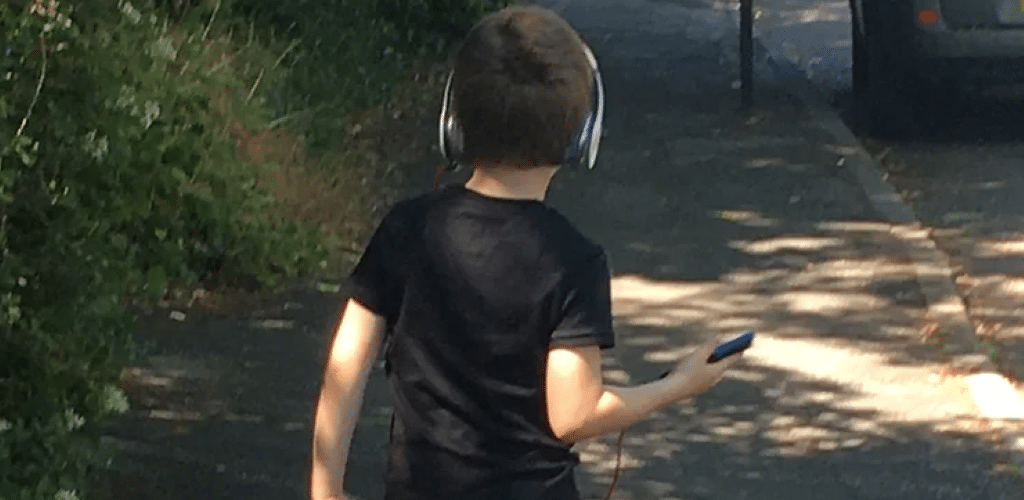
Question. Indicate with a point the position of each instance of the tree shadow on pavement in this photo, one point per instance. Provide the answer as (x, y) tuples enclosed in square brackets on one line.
[(224, 411), (717, 222), (223, 407), (963, 181), (801, 439)]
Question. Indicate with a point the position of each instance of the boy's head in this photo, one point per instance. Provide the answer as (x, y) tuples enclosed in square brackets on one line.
[(521, 90)]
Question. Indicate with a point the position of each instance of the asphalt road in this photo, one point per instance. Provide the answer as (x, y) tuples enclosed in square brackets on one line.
[(715, 222)]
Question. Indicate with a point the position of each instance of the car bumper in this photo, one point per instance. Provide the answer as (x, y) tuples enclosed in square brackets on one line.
[(978, 55)]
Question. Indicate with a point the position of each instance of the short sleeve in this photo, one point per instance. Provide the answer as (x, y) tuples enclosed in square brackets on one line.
[(375, 282), (586, 314)]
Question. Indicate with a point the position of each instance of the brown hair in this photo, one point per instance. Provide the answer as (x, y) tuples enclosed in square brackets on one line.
[(521, 88)]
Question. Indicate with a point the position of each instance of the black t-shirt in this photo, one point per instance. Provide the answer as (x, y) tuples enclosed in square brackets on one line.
[(475, 290)]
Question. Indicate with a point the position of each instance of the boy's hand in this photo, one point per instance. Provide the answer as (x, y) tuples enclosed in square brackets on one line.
[(695, 375)]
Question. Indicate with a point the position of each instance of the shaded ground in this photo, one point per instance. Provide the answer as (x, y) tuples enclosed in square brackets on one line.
[(964, 180), (962, 175), (715, 222)]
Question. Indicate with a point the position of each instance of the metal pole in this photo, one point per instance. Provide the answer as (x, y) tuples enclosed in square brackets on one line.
[(747, 53)]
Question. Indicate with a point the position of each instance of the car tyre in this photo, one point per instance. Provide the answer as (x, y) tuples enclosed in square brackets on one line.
[(887, 91), (860, 60)]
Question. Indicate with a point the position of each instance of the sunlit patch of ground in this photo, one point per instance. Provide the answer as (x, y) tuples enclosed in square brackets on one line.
[(985, 244), (842, 362)]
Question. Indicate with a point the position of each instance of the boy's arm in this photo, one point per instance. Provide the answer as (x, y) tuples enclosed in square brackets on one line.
[(580, 406), (356, 345)]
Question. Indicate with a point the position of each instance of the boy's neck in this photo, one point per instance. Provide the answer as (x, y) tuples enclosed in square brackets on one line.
[(511, 182)]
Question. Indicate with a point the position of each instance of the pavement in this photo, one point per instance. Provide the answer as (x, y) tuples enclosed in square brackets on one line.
[(716, 221), (969, 195), (952, 192)]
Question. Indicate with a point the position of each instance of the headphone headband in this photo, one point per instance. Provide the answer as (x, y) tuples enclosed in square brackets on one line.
[(582, 149)]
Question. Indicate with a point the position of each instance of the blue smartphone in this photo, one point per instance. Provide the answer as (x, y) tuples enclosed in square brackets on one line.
[(726, 349), (736, 345)]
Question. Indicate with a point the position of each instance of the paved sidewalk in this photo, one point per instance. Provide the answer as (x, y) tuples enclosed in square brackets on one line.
[(715, 222)]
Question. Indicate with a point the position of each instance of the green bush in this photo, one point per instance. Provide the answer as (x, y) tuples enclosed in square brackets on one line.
[(116, 178), (119, 176), (429, 21), (345, 56)]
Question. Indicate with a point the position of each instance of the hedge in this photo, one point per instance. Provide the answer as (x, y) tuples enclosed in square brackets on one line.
[(118, 177)]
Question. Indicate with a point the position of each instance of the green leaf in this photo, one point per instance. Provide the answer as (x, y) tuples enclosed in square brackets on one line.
[(6, 177), (328, 287), (156, 280), (21, 146), (180, 175), (120, 242)]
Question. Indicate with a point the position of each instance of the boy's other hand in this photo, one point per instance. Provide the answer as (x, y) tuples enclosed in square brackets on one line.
[(695, 375)]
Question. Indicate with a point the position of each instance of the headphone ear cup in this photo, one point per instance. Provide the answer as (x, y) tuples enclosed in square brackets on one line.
[(450, 138), (455, 141), (583, 149), (577, 151), (597, 120)]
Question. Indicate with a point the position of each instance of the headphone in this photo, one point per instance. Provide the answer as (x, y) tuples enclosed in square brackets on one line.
[(581, 151)]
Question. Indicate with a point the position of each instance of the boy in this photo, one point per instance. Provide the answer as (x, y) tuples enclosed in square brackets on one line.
[(495, 306)]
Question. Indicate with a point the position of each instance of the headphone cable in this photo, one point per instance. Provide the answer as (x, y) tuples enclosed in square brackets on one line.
[(438, 176), (618, 465)]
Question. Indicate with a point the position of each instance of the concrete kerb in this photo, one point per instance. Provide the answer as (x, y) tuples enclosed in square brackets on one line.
[(993, 395)]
